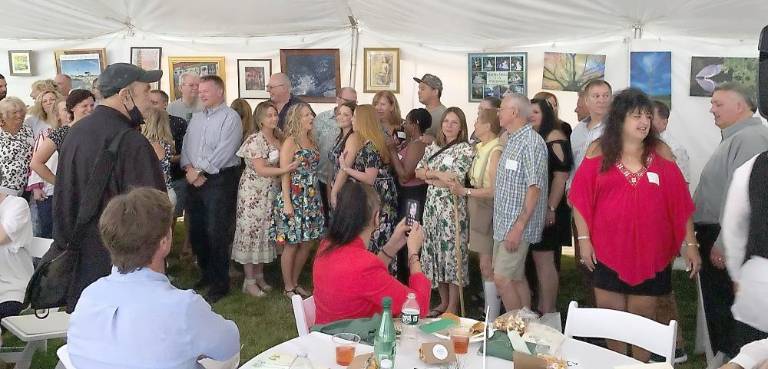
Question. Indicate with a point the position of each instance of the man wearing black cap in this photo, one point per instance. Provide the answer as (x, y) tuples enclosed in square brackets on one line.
[(125, 88), (430, 91)]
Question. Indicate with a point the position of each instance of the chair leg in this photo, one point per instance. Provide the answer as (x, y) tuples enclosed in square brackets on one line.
[(24, 359)]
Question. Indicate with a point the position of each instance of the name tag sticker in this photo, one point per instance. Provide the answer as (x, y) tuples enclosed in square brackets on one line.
[(401, 135), (448, 161), (511, 165), (273, 155), (653, 178)]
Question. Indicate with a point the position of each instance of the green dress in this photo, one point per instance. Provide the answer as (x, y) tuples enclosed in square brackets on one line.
[(439, 256), (307, 222)]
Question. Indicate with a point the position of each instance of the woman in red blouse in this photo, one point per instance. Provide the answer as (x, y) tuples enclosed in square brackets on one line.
[(633, 211), (350, 281)]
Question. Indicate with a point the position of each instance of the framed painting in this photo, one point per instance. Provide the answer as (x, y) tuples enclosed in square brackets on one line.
[(20, 62), (381, 70), (82, 65), (571, 71), (253, 77), (314, 73), (494, 74), (200, 65), (651, 72), (147, 58), (709, 72)]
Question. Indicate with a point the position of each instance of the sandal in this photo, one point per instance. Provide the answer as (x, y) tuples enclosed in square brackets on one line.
[(263, 285), (435, 313), (303, 292), (248, 288), (290, 293)]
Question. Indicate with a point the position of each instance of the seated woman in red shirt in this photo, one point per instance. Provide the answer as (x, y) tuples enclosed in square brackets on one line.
[(350, 281), (632, 209)]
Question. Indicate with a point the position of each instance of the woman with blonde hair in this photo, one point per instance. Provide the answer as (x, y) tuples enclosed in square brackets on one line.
[(259, 185), (243, 109), (372, 167), (157, 130), (42, 115), (297, 214), (446, 224), (42, 85), (389, 115)]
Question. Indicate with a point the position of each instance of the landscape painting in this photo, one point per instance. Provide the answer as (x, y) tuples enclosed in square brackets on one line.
[(571, 71), (651, 72), (314, 73), (83, 66)]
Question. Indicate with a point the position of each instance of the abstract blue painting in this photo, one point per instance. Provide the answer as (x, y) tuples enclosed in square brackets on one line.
[(651, 71), (314, 73)]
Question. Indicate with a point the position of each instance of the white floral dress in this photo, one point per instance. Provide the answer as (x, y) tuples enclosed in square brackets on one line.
[(255, 197)]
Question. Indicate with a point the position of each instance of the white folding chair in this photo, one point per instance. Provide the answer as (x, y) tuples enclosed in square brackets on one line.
[(622, 326), (303, 313), (39, 247), (35, 333)]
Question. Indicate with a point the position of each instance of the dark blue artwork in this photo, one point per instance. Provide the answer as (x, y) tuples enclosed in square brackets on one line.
[(312, 75), (652, 73)]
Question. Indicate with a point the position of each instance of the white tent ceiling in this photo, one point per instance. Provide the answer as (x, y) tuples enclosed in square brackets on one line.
[(480, 23)]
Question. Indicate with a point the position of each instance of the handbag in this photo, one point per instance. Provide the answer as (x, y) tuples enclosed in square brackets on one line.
[(54, 278)]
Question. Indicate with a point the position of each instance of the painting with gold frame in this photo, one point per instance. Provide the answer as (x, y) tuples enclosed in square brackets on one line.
[(200, 65), (82, 65), (381, 69)]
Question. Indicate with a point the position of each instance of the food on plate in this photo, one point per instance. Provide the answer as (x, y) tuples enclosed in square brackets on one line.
[(476, 328)]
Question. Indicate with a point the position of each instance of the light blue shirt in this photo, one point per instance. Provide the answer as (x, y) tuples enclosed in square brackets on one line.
[(139, 320), (212, 139)]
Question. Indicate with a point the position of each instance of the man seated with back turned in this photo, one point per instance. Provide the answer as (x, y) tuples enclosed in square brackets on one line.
[(134, 317)]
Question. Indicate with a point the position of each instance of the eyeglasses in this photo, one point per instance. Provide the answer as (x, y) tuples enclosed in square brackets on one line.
[(272, 87)]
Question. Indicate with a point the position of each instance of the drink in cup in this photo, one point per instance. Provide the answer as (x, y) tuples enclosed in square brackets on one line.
[(345, 347), (460, 340)]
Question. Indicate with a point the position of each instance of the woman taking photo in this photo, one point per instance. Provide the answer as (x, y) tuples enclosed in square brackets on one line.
[(371, 166), (446, 225), (482, 178), (350, 281), (297, 215), (632, 212), (348, 142), (255, 197), (557, 227)]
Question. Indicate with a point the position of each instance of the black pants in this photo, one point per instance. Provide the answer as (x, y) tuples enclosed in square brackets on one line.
[(717, 291), (45, 217), (324, 198), (10, 308), (212, 225), (418, 193)]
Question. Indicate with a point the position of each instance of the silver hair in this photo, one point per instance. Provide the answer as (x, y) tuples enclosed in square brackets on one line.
[(187, 74), (520, 102), (285, 79), (9, 104), (739, 89)]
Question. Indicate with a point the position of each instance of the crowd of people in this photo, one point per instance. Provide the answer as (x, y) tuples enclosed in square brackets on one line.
[(255, 185)]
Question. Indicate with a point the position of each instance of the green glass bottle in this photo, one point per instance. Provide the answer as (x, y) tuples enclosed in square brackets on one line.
[(384, 342)]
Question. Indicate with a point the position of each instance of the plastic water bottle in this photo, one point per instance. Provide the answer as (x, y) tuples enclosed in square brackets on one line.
[(301, 362), (409, 316), (384, 342)]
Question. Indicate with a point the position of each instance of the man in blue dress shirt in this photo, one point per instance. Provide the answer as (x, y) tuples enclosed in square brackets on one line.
[(212, 171), (134, 317)]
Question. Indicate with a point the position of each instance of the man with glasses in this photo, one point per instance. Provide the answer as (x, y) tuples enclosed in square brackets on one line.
[(188, 103), (326, 130), (279, 88)]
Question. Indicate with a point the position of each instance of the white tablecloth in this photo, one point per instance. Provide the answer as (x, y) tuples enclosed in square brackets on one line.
[(321, 351)]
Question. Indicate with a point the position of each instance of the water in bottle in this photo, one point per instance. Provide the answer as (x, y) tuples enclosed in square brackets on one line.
[(384, 342)]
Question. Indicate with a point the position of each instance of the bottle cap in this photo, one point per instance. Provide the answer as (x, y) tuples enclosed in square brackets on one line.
[(386, 302), (411, 295)]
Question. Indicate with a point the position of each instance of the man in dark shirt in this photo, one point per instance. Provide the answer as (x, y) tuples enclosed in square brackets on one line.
[(279, 89), (125, 88)]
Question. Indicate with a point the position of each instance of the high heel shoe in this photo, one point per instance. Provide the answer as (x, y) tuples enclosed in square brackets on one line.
[(249, 285)]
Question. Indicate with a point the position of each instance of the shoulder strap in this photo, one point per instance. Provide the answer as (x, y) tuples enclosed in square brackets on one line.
[(100, 176), (446, 147)]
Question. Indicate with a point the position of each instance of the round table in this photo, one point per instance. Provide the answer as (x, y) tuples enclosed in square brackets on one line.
[(321, 351)]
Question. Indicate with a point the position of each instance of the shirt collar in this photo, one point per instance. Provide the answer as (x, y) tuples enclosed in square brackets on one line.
[(214, 110), (522, 130), (106, 110), (588, 120), (141, 274), (738, 126)]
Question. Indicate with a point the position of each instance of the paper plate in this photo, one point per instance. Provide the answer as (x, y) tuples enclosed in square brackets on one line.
[(466, 323)]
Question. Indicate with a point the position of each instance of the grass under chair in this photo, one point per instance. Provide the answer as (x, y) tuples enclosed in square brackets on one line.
[(267, 321)]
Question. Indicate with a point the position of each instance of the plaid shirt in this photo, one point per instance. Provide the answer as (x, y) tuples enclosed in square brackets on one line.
[(523, 164)]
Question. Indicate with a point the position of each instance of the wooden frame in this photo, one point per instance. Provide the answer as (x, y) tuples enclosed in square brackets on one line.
[(381, 70), (201, 65), (314, 73), (155, 63), (20, 63), (82, 65), (253, 77)]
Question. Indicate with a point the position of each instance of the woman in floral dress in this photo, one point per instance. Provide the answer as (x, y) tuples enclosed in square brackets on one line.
[(371, 166), (252, 246), (298, 213), (443, 257)]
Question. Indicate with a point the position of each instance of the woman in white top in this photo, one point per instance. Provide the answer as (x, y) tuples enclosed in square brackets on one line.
[(15, 262)]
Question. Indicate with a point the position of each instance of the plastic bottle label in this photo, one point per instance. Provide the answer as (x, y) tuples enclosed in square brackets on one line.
[(409, 317)]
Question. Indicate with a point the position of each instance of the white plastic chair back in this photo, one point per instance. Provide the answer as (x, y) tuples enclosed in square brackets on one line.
[(622, 326), (303, 313)]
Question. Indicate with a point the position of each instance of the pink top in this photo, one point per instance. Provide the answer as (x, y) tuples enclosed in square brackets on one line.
[(350, 281), (637, 220), (414, 181)]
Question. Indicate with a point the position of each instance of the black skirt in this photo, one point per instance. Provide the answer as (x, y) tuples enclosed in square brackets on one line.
[(607, 279)]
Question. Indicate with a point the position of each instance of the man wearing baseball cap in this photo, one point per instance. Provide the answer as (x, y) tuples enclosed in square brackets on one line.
[(430, 91), (125, 88)]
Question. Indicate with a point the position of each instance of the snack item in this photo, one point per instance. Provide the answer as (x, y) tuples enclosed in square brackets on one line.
[(476, 328)]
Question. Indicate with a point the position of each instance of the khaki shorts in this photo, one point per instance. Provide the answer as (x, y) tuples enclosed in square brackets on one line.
[(507, 264)]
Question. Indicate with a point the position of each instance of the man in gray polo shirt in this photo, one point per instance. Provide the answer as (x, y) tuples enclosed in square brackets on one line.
[(430, 91), (744, 136), (188, 103)]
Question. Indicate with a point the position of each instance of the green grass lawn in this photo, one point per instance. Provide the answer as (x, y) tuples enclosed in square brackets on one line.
[(267, 321)]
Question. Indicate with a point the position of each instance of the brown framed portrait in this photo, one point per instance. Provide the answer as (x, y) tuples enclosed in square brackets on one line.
[(253, 77), (381, 70), (314, 73), (200, 65), (82, 65)]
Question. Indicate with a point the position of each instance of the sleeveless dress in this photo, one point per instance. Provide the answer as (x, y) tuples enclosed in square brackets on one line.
[(255, 198), (307, 222)]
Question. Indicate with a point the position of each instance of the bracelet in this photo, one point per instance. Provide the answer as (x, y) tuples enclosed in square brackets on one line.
[(413, 256), (383, 251), (581, 238), (692, 244)]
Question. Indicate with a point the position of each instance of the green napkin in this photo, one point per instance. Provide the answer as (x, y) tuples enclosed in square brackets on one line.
[(438, 325), (499, 346), (364, 327)]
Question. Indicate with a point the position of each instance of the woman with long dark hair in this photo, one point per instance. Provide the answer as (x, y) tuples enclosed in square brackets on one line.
[(349, 280), (633, 211)]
